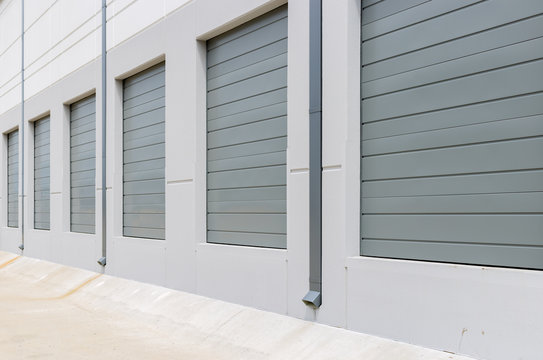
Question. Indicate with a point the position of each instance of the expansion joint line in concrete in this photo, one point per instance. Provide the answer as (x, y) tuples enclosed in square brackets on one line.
[(79, 287), (72, 291), (9, 262)]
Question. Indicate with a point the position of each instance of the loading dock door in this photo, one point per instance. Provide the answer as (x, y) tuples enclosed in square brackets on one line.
[(247, 133), (452, 125), (144, 154), (42, 188), (13, 179), (83, 165)]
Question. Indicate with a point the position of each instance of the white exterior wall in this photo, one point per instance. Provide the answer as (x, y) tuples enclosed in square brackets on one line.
[(10, 54), (485, 312)]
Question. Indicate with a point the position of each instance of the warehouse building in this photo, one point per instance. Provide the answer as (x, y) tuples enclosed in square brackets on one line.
[(372, 165)]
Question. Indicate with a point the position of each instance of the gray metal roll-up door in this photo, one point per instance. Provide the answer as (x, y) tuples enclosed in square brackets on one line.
[(83, 165), (144, 154), (452, 131), (13, 179), (247, 133), (41, 174)]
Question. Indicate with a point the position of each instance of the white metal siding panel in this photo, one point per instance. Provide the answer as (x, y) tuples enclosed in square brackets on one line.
[(42, 174), (83, 165), (144, 154), (247, 133), (13, 179), (452, 131)]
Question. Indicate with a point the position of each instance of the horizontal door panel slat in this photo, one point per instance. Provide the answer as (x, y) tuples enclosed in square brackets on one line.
[(261, 130), (248, 27), (82, 182), (83, 219), (81, 175), (248, 88), (262, 206), (502, 156), (473, 44), (270, 176), (84, 111), (83, 138), (42, 150), (266, 99), (41, 141), (144, 132), (41, 128), (528, 105), (42, 219), (491, 229), (144, 98), (459, 23), (77, 155), (78, 209), (41, 225), (42, 207), (144, 175), (83, 128), (41, 194), (478, 254), (75, 149), (41, 173), (412, 15), (144, 187), (144, 141), (262, 223), (152, 221), (387, 8), (147, 208), (466, 66), (248, 194), (153, 70), (254, 148), (144, 108), (450, 185), (271, 64), (461, 135), (245, 162), (83, 102), (253, 57), (144, 165), (83, 192), (146, 233), (145, 153), (248, 42), (86, 229), (150, 118), (247, 239), (144, 199), (521, 79), (443, 204), (83, 165), (250, 116), (151, 83)]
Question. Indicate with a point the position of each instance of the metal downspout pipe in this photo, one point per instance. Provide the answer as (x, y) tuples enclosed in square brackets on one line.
[(22, 126), (102, 260), (314, 297)]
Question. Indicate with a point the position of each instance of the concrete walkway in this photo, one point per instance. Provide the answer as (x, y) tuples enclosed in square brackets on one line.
[(50, 311)]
